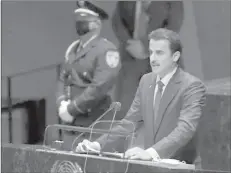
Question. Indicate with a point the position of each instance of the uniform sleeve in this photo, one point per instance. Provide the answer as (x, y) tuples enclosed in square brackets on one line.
[(64, 69), (106, 71), (61, 88)]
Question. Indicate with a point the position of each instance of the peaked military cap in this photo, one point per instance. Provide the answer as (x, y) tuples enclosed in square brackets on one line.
[(101, 14), (85, 15)]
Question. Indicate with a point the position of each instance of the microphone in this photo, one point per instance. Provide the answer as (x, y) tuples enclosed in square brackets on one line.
[(114, 105)]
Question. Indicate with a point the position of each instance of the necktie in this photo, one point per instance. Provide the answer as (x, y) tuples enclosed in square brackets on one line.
[(160, 86), (150, 137)]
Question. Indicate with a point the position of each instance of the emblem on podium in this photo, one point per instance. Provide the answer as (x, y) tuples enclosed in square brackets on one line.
[(66, 166)]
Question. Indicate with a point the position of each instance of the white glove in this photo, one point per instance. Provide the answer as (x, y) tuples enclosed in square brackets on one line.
[(86, 145), (63, 113)]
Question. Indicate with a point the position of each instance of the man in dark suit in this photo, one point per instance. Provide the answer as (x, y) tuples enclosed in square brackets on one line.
[(166, 109), (134, 51)]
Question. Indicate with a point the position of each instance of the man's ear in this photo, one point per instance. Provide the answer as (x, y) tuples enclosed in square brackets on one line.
[(176, 56)]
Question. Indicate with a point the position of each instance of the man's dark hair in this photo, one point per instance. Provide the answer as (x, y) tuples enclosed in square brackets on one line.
[(171, 36)]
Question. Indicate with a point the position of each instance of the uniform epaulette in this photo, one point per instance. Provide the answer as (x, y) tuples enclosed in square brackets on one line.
[(107, 43)]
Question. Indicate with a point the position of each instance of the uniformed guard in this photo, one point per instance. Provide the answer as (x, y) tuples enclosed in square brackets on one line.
[(88, 74)]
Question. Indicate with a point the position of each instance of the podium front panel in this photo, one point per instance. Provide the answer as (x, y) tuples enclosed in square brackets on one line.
[(30, 158)]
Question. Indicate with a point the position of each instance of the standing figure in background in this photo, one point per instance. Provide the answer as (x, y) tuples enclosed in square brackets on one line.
[(134, 51), (91, 67)]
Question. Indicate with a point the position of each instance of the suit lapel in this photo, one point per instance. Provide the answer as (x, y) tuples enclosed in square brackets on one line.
[(149, 133), (168, 95)]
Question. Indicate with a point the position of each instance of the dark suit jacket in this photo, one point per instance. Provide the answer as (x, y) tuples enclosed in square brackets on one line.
[(123, 27), (173, 133)]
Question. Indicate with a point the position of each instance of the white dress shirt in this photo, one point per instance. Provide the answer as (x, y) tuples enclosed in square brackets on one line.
[(165, 80)]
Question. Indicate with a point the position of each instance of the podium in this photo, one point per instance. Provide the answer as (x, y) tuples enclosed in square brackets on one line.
[(52, 158), (31, 158), (215, 128), (45, 158)]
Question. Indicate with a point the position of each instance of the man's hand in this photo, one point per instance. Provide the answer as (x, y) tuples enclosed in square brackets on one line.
[(86, 145), (137, 153), (63, 113), (136, 49)]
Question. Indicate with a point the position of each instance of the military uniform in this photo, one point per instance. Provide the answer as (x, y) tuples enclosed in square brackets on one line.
[(92, 71), (89, 72)]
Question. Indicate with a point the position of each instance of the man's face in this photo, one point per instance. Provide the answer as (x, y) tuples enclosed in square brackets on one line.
[(161, 58)]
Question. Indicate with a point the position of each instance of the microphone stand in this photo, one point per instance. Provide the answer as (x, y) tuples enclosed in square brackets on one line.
[(112, 106), (100, 152)]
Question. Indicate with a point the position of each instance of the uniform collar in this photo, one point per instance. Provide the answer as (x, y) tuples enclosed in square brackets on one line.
[(89, 40)]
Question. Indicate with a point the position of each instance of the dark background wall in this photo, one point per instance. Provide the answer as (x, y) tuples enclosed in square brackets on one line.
[(213, 29)]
